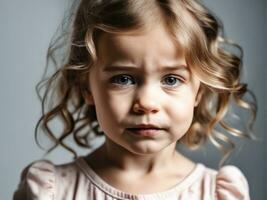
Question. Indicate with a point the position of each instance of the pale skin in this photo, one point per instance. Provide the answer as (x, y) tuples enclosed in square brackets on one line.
[(142, 79)]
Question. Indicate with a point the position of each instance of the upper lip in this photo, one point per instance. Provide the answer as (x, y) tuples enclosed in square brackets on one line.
[(146, 126)]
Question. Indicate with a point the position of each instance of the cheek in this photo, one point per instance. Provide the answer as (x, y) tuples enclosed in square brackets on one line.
[(181, 113), (120, 105), (111, 112), (112, 108)]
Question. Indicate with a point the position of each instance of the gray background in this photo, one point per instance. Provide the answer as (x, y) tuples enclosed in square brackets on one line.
[(26, 29)]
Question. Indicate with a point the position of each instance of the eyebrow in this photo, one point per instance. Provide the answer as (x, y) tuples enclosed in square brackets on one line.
[(112, 68)]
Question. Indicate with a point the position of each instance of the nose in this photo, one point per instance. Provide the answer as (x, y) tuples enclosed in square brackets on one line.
[(146, 101)]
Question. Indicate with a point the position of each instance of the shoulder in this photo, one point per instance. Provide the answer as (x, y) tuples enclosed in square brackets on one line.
[(231, 184), (228, 183), (39, 180)]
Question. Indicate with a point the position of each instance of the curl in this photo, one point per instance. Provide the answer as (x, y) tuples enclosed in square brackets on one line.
[(195, 29)]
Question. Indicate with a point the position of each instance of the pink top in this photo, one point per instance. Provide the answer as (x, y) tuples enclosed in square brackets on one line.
[(77, 181)]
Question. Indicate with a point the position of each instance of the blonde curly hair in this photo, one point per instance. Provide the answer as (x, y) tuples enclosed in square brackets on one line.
[(192, 26)]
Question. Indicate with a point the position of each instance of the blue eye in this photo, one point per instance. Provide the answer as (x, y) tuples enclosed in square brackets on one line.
[(171, 81), (123, 80)]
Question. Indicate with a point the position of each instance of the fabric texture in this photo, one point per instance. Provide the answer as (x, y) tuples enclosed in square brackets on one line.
[(43, 180)]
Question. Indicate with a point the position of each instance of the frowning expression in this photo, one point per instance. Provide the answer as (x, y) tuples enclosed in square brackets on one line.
[(143, 90)]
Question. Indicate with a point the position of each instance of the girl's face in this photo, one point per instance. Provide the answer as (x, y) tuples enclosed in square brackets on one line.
[(143, 92)]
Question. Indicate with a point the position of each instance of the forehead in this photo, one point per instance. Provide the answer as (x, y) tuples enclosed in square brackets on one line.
[(156, 43)]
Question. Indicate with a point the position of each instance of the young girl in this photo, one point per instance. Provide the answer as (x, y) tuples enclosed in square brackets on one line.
[(147, 75)]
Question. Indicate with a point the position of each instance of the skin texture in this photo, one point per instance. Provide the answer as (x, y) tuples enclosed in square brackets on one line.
[(141, 79)]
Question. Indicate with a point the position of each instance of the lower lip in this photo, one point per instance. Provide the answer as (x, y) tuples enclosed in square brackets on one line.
[(145, 132)]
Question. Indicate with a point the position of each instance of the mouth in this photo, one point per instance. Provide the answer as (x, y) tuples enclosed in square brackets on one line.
[(145, 130)]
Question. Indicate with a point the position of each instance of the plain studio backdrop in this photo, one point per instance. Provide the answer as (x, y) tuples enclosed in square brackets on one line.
[(26, 29)]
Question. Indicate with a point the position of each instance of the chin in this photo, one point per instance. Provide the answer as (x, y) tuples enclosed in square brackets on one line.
[(145, 149)]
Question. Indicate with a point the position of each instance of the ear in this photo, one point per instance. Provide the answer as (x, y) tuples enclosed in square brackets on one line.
[(87, 95), (199, 96)]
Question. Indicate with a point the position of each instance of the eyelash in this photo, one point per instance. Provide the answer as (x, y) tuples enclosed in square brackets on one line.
[(116, 79)]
